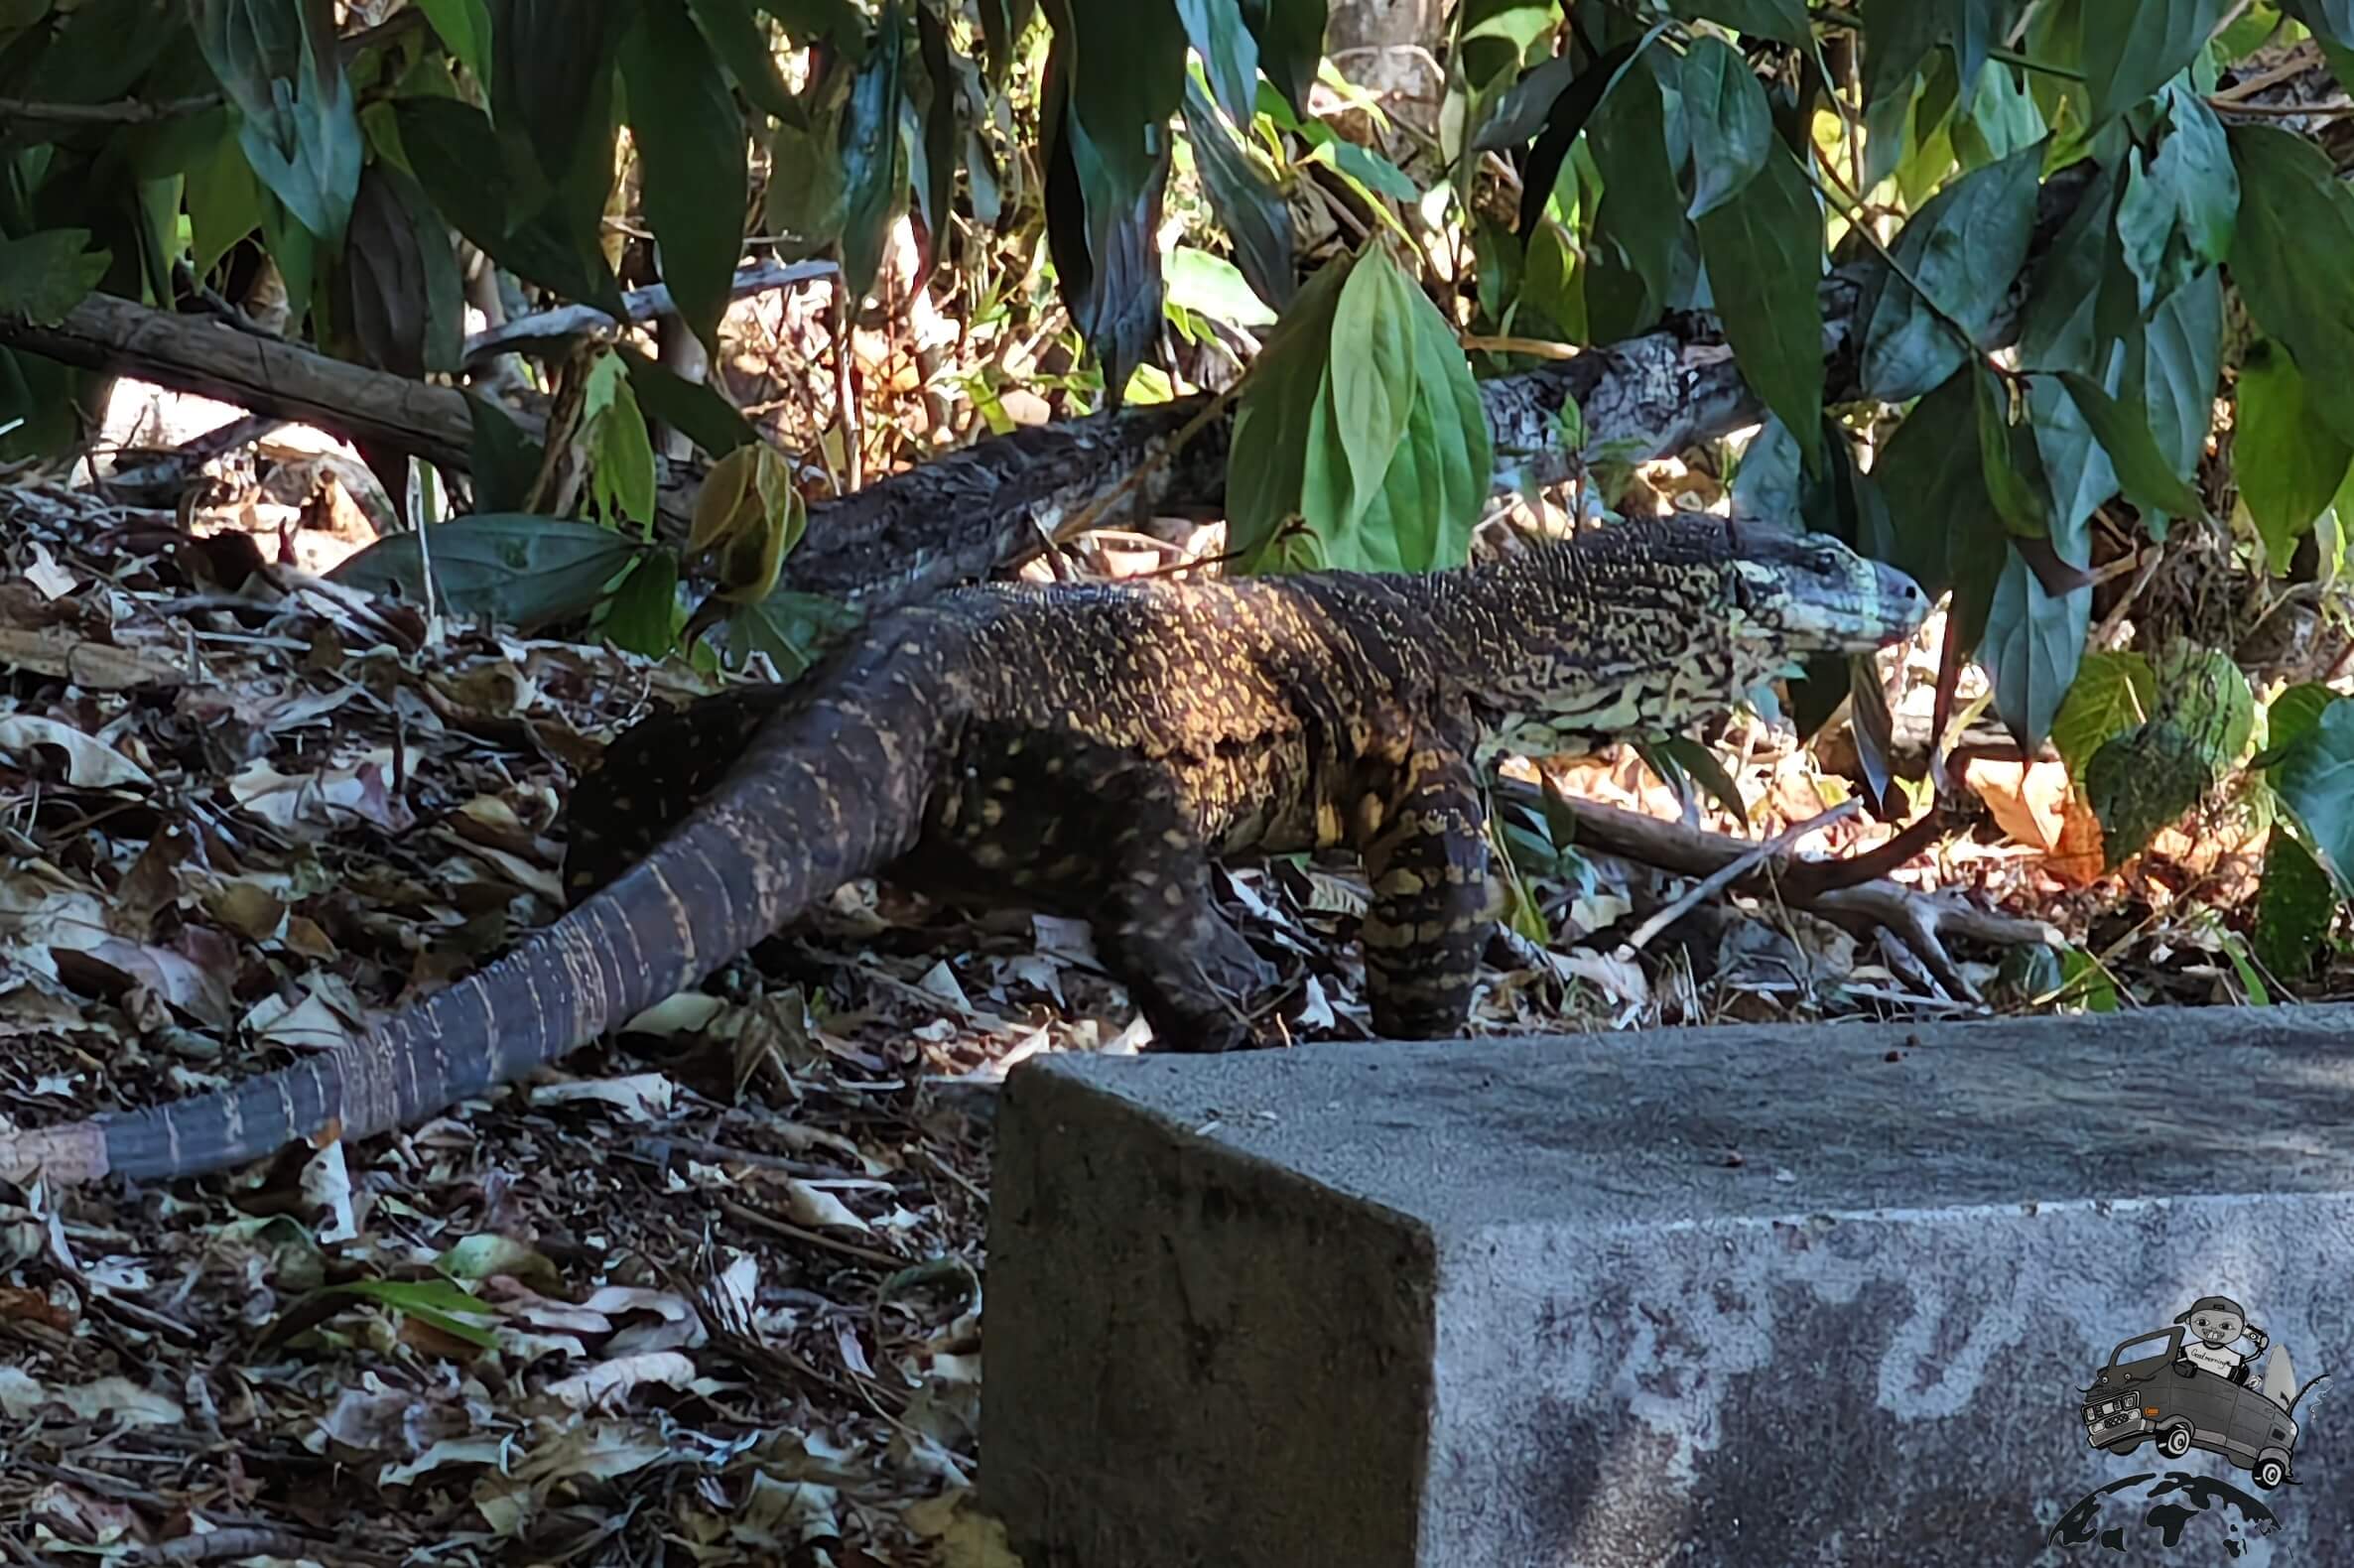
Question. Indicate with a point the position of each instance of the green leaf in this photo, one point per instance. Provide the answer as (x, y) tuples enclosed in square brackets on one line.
[(511, 568), (2330, 19), (550, 60), (44, 275), (225, 204), (2290, 714), (1214, 286), (808, 197), (1246, 201), (1782, 20), (1290, 36), (2289, 463), (1373, 367), (2007, 458), (1436, 483), (458, 161), (2288, 259), (2295, 907), (2148, 479), (2132, 47), (1629, 140), (736, 38), (2076, 467), (439, 1303), (1934, 479), (1268, 459), (793, 629), (644, 616), (2177, 214), (297, 120), (1731, 124), (1127, 76), (874, 158), (2171, 370), (694, 407), (2031, 648), (2314, 778), (464, 30), (691, 137), (622, 458), (2112, 694), (1964, 249), (2057, 330), (1229, 54), (2142, 781), (1764, 247), (504, 461), (1682, 754)]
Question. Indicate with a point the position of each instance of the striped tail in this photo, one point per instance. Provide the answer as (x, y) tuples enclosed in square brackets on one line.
[(831, 792)]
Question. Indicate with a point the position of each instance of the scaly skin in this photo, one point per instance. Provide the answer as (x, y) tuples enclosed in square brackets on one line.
[(1089, 748)]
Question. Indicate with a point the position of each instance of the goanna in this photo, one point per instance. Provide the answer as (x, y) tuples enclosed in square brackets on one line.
[(1087, 749)]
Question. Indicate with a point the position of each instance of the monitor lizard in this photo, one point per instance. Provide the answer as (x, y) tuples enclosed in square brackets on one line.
[(1089, 748)]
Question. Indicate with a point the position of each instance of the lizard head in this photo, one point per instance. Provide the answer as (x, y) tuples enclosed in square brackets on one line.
[(1801, 594)]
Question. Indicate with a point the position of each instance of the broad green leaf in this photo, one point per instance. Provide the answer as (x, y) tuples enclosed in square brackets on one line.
[(457, 159), (1684, 762), (742, 48), (440, 1303), (2330, 19), (1934, 479), (2142, 472), (2132, 47), (2076, 467), (2009, 460), (2290, 714), (224, 204), (644, 616), (298, 122), (808, 197), (2294, 909), (1964, 249), (2031, 648), (2177, 214), (44, 275), (1229, 54), (1898, 38), (1763, 248), (504, 460), (464, 30), (793, 629), (694, 407), (1290, 36), (2172, 371), (2056, 330), (691, 136), (2001, 120), (2288, 462), (622, 458), (2289, 260), (399, 285), (933, 160), (1127, 76), (1782, 20), (1267, 457), (2112, 694), (101, 49), (1214, 286), (549, 59), (1629, 140), (1366, 169), (874, 160), (1731, 124), (2314, 778), (1248, 201), (1421, 515), (1373, 367), (510, 568), (2142, 781)]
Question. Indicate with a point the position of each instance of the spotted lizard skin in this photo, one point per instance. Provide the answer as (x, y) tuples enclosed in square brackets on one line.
[(1090, 748)]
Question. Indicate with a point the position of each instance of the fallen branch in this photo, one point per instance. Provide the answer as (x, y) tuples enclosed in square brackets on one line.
[(1916, 922), (543, 329)]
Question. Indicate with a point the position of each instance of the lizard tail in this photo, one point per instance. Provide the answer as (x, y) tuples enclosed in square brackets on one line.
[(831, 792)]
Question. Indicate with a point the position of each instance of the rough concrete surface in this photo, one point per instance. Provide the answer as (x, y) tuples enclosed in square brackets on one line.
[(1733, 1295)]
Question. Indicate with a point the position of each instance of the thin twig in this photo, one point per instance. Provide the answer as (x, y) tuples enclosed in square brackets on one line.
[(1734, 869)]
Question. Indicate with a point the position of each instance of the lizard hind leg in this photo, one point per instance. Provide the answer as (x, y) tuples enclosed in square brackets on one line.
[(1192, 974), (646, 781)]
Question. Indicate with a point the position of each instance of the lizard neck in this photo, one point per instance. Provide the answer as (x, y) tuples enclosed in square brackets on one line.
[(1560, 647)]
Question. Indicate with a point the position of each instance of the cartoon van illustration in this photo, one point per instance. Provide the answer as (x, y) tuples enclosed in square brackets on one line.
[(2178, 1404)]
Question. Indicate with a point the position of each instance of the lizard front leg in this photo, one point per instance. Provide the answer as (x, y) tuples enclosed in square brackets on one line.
[(1188, 970), (1433, 906)]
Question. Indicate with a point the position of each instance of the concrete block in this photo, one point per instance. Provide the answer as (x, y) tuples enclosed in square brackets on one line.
[(1818, 1295)]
